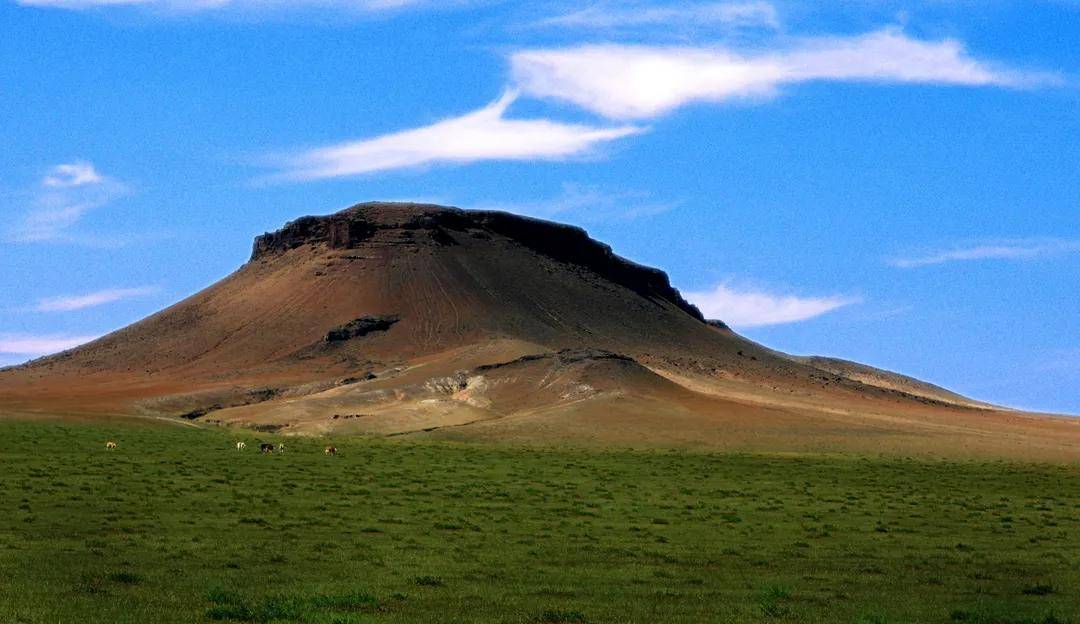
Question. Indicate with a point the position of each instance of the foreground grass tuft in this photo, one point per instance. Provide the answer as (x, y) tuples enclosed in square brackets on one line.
[(556, 616), (231, 607)]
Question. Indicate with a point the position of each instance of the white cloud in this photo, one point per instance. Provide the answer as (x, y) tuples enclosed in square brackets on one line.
[(756, 308), (72, 174), (67, 192), (606, 16), (1003, 250), (637, 81), (68, 303), (483, 134), (23, 344)]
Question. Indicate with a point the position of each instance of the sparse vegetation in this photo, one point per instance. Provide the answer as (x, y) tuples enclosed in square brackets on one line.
[(177, 526)]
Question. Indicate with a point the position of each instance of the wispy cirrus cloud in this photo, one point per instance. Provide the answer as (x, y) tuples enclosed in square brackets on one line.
[(585, 203), (65, 194), (1021, 249), (758, 308), (68, 303), (641, 81), (37, 345), (484, 134), (636, 14)]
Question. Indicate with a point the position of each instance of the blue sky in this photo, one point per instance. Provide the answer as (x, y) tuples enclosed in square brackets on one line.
[(889, 182)]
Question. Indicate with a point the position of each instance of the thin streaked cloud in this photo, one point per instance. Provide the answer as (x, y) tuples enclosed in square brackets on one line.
[(68, 303), (38, 345), (65, 195), (585, 203), (632, 15), (1024, 249)]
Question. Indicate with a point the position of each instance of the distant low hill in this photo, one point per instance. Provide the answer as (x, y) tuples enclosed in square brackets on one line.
[(409, 319)]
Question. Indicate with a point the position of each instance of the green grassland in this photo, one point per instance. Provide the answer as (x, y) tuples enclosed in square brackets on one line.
[(177, 526)]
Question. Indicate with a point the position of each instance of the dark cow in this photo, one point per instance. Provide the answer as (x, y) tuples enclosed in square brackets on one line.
[(266, 448)]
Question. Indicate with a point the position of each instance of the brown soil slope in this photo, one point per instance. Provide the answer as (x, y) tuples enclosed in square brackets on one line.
[(424, 320), (886, 379)]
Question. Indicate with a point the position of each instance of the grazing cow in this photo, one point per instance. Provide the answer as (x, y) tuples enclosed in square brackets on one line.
[(241, 446), (110, 446), (280, 448), (266, 448), (331, 450)]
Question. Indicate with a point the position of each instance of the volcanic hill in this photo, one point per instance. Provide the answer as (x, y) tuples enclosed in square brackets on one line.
[(422, 320)]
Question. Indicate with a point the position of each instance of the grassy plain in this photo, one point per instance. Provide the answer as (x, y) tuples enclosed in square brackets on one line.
[(177, 526)]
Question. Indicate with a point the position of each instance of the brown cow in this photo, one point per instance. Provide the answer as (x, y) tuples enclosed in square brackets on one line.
[(266, 448), (331, 450)]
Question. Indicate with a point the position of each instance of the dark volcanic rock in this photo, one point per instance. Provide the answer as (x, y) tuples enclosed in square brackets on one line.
[(562, 358), (199, 413), (573, 245), (360, 327), (361, 223), (351, 227)]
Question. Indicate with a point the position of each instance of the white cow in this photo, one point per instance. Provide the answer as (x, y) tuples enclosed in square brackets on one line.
[(241, 446)]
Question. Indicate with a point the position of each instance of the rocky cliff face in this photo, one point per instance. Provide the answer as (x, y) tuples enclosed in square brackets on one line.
[(439, 225)]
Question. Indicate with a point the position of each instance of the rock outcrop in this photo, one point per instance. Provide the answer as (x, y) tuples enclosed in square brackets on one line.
[(420, 224), (360, 327)]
